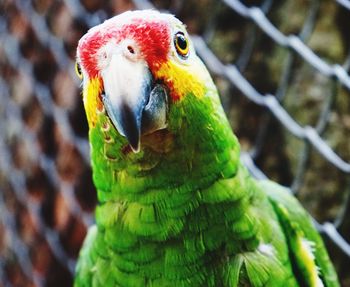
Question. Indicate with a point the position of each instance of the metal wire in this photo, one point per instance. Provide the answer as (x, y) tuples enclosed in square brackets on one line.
[(31, 148), (310, 134)]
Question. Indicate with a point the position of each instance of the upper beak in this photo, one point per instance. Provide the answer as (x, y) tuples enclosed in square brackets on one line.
[(131, 102)]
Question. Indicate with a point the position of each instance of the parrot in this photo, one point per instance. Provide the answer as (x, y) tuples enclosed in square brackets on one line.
[(176, 206)]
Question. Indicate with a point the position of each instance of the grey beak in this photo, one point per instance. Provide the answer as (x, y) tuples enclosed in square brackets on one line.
[(132, 104)]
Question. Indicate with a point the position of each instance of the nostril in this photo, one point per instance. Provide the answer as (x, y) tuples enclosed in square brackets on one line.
[(130, 49)]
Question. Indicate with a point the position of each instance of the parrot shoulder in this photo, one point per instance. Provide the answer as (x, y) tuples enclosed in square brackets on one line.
[(84, 268), (308, 254)]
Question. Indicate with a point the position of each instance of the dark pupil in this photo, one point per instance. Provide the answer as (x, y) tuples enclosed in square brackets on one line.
[(78, 69), (181, 42)]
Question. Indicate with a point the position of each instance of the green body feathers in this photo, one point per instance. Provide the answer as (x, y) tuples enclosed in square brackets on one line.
[(193, 216)]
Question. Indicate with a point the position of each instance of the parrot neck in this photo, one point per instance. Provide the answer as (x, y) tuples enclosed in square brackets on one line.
[(192, 159)]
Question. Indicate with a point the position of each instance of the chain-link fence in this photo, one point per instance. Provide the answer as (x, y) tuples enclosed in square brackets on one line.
[(282, 68)]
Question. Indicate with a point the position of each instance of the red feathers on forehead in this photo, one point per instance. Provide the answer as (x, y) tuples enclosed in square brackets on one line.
[(153, 38)]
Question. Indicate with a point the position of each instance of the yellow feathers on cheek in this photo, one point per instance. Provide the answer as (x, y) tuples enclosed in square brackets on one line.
[(182, 80), (92, 100)]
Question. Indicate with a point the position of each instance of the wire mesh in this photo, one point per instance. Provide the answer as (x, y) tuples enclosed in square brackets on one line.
[(284, 81)]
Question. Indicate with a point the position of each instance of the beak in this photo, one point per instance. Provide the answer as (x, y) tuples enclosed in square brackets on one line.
[(129, 98)]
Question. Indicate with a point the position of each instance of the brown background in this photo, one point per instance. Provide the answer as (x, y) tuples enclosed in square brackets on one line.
[(46, 193)]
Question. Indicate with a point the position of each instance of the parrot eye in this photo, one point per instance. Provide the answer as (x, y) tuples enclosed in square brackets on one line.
[(78, 70), (181, 45)]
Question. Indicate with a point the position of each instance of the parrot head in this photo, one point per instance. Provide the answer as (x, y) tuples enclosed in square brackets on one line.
[(140, 69)]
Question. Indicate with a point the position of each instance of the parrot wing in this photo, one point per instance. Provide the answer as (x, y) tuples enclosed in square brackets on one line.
[(309, 256)]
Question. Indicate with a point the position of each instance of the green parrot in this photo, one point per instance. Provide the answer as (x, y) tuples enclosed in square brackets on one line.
[(176, 207)]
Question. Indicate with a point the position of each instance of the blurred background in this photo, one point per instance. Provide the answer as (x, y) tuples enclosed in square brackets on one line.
[(282, 68)]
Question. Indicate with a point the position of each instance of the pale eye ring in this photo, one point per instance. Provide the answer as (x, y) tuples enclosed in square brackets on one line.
[(78, 70), (181, 45)]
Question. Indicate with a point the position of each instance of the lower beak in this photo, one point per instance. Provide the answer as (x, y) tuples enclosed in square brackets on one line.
[(133, 105)]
